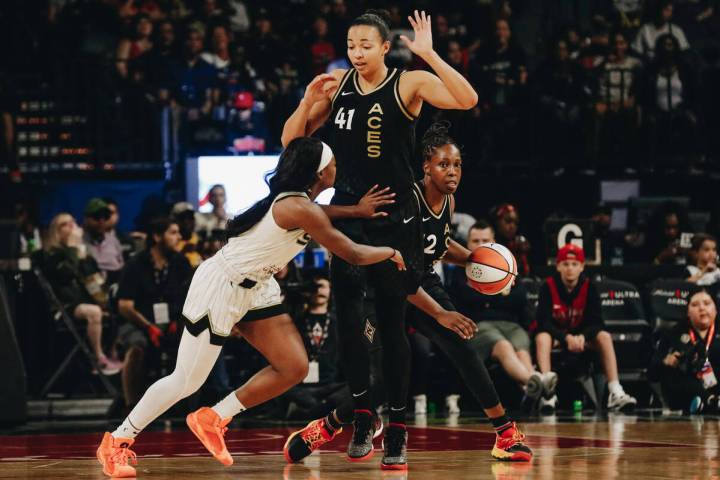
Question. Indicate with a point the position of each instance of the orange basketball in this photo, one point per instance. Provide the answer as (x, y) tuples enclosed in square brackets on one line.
[(491, 269)]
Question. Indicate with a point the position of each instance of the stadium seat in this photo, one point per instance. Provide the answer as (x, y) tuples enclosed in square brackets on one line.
[(667, 302)]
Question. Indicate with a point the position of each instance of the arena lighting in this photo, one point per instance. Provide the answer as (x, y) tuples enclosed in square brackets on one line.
[(242, 176)]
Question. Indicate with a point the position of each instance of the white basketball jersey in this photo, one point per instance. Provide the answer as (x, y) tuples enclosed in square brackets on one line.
[(266, 248)]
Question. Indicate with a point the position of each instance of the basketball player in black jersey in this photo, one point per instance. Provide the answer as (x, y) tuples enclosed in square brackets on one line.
[(372, 111), (442, 167)]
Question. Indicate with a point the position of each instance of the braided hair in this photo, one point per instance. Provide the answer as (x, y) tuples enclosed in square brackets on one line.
[(435, 137)]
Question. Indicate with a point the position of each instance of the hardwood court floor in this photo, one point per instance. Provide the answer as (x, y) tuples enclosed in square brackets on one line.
[(616, 447)]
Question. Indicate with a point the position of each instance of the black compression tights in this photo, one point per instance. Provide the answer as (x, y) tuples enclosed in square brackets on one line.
[(355, 334)]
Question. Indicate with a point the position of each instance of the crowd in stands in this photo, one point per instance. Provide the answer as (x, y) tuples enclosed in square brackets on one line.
[(574, 84), (582, 84), (134, 285)]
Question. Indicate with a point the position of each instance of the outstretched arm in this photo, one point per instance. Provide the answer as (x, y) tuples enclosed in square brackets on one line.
[(298, 212), (449, 89)]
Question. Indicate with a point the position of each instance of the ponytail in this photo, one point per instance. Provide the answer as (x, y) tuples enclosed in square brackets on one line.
[(296, 171)]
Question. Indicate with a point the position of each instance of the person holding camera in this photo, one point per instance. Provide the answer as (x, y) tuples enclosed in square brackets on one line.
[(704, 251), (687, 357)]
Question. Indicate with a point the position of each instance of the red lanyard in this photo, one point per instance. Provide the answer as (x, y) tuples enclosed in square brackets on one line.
[(708, 339)]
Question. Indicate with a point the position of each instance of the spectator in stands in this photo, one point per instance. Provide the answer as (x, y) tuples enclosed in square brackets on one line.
[(670, 91), (502, 322), (499, 74), (189, 244), (457, 58), (559, 88), (646, 41), (104, 248), (156, 65), (194, 79), (129, 49), (499, 70), (73, 275), (266, 50), (615, 114), (322, 51), (127, 242), (568, 315), (705, 271), (30, 239), (506, 220), (150, 298), (339, 23), (218, 217), (687, 356), (662, 236), (219, 56)]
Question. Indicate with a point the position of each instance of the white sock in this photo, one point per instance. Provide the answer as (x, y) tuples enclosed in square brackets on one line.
[(615, 388), (229, 406), (126, 430)]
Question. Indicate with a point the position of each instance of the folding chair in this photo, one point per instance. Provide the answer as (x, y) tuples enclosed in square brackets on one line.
[(60, 313)]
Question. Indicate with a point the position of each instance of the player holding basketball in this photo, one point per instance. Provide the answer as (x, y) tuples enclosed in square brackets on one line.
[(372, 111), (236, 287), (442, 165)]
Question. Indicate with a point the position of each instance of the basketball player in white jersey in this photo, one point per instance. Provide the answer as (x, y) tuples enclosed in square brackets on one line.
[(236, 286)]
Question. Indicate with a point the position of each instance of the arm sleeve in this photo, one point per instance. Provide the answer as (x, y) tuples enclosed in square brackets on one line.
[(592, 316), (544, 314)]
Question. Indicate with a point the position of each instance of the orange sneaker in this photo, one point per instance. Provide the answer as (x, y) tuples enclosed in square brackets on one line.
[(509, 446), (302, 443), (113, 454), (210, 429)]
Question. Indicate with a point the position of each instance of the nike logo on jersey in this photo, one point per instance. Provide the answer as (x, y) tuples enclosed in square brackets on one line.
[(407, 220), (426, 219), (346, 93)]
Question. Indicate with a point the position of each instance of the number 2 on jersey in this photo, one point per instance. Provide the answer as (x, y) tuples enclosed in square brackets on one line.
[(340, 118), (432, 240)]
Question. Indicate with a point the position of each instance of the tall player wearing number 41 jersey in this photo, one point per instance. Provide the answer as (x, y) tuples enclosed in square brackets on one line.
[(372, 111)]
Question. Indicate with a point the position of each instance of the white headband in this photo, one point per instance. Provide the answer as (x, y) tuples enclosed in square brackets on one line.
[(326, 156)]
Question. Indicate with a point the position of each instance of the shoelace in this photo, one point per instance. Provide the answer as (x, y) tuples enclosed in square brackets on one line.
[(314, 436), (121, 456), (363, 428), (395, 442), (517, 437)]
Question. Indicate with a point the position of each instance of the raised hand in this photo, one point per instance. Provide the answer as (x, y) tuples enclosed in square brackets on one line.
[(318, 89), (421, 45), (374, 199)]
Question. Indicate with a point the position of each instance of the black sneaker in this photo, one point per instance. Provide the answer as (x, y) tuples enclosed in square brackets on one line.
[(361, 445), (395, 448)]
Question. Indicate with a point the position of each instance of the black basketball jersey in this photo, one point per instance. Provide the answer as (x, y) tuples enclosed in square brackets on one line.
[(373, 138), (435, 227)]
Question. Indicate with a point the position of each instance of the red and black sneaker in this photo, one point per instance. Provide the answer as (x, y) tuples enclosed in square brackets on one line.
[(302, 443), (509, 446)]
